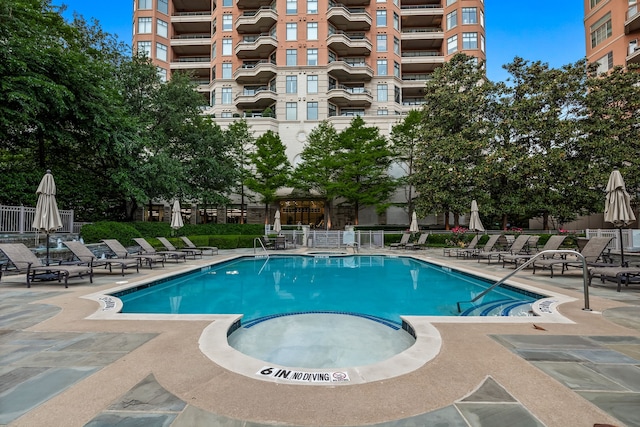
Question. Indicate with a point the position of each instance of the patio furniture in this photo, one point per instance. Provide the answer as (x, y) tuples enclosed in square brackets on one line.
[(191, 252), (150, 250), (552, 244), (121, 252), (84, 254), (591, 252), (190, 245)]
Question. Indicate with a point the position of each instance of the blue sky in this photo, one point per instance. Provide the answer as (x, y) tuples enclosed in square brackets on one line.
[(547, 31)]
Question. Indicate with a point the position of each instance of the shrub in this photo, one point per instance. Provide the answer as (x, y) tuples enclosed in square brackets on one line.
[(221, 229), (122, 232), (153, 229)]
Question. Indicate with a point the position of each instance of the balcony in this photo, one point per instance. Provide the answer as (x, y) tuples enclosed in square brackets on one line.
[(418, 61), (256, 98), (633, 56), (191, 63), (632, 23), (348, 19), (422, 10), (349, 44), (252, 4), (413, 85), (345, 96), (257, 21), (346, 70), (356, 3), (186, 18), (255, 72), (422, 38), (258, 46), (191, 44)]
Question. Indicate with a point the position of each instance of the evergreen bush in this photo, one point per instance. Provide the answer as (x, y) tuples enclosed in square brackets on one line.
[(121, 231)]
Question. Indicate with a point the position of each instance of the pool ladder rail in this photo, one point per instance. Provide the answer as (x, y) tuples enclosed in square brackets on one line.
[(255, 246), (585, 276)]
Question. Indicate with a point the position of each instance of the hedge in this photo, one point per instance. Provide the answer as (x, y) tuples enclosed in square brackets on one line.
[(122, 232)]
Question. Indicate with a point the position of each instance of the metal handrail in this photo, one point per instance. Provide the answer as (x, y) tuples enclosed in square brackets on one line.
[(257, 239), (585, 276)]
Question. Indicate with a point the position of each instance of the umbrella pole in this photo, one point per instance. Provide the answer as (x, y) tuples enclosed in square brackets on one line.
[(621, 248), (46, 243)]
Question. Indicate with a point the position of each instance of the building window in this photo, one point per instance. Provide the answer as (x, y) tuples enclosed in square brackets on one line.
[(214, 50), (594, 3), (291, 111), (292, 31), (382, 67), (226, 95), (226, 114), (396, 21), (381, 43), (397, 95), (161, 52), (292, 57), (312, 84), (605, 63), (227, 22), (601, 30), (450, 2), (482, 19), (381, 18), (396, 46), (227, 70), (481, 42), (383, 93), (163, 6), (162, 73), (292, 7), (292, 84), (452, 44), (312, 31), (227, 3), (162, 28), (333, 110), (213, 95), (452, 20), (227, 47), (312, 111), (144, 49), (396, 69), (312, 56), (144, 25), (145, 4), (383, 112), (469, 15), (312, 6), (469, 40)]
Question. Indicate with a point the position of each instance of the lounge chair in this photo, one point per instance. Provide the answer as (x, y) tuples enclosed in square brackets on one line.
[(421, 243), (453, 251), (267, 243), (190, 245), (191, 252), (84, 254), (615, 273), (25, 261), (552, 244), (516, 247), (349, 240), (280, 243), (402, 243), (488, 247), (121, 252), (147, 249), (591, 252)]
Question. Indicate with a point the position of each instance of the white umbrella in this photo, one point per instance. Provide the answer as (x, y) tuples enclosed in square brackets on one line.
[(176, 216), (414, 223), (474, 222), (276, 222), (47, 217), (617, 207)]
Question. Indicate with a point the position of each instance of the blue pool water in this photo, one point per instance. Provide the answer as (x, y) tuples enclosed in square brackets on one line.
[(380, 286)]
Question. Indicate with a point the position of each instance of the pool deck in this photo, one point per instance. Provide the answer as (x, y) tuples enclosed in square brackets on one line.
[(58, 367)]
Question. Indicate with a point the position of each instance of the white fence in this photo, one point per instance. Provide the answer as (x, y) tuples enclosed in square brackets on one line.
[(331, 238), (19, 219), (630, 238)]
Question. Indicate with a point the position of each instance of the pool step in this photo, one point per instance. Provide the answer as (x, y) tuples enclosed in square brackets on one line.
[(504, 307)]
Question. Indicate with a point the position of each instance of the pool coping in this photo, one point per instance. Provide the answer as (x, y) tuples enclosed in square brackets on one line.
[(214, 345)]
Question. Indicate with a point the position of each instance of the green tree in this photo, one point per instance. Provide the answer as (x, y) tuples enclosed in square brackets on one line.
[(362, 162), (241, 142), (272, 168), (316, 171), (405, 138), (450, 160)]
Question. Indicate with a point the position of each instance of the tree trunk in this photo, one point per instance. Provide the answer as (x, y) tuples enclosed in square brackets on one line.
[(504, 221), (545, 221), (456, 220), (447, 226), (242, 204), (266, 213), (357, 208)]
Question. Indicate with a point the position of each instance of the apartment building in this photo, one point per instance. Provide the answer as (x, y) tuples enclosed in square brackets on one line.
[(612, 32), (286, 65)]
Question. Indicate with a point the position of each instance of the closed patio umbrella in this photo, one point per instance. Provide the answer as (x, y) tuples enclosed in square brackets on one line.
[(277, 226), (474, 222), (47, 217), (176, 216), (617, 207), (414, 223)]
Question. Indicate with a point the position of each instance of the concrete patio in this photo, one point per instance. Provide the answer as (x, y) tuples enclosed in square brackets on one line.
[(58, 368)]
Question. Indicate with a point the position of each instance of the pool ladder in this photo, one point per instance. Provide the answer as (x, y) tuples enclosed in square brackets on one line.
[(259, 240), (585, 276)]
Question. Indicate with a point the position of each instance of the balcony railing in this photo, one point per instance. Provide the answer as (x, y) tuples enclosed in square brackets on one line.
[(353, 90), (191, 36), (422, 6), (419, 53), (193, 59), (422, 30), (254, 64)]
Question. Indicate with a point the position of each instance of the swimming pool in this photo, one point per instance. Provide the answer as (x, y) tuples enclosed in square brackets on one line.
[(378, 286)]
